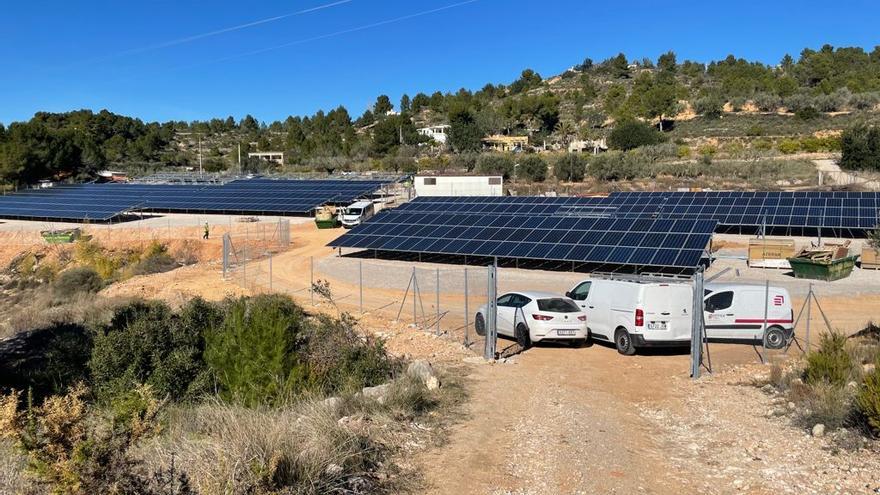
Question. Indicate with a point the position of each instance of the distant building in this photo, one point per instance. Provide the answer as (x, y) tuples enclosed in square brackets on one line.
[(588, 145), (436, 132), (505, 143), (459, 185), (269, 156), (112, 176)]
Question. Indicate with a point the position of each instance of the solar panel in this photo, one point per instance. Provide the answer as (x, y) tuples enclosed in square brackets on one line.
[(102, 202), (670, 243)]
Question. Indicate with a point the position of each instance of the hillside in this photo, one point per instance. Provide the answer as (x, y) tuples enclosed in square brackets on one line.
[(729, 109)]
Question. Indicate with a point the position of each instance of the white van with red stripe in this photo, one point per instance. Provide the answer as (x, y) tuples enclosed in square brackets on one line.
[(735, 313)]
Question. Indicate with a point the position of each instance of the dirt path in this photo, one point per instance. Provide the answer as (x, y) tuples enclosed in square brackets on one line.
[(559, 420)]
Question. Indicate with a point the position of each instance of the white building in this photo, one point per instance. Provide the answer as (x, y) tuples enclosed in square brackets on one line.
[(459, 185), (436, 132), (269, 156)]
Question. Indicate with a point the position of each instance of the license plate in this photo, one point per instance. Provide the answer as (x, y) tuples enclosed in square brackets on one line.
[(566, 332), (657, 325)]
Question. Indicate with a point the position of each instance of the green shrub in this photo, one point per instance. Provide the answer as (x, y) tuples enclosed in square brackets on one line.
[(766, 102), (868, 399), (755, 130), (826, 403), (631, 134), (255, 353), (466, 161), (570, 167), (683, 151), (860, 146), (496, 164), (709, 106), (533, 168), (808, 113), (831, 363), (147, 343), (75, 281), (788, 146), (339, 359), (864, 101), (615, 165)]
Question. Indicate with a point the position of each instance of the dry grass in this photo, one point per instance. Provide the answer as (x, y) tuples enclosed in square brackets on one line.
[(38, 311), (314, 446)]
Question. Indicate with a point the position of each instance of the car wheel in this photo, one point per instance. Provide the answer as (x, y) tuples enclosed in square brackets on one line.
[(522, 336), (775, 338), (624, 342), (480, 325)]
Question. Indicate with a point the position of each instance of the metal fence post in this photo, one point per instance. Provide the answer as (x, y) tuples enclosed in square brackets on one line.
[(809, 307), (415, 284), (270, 271), (361, 283), (312, 279), (697, 326), (764, 334), (244, 265), (492, 312), (438, 302), (467, 312)]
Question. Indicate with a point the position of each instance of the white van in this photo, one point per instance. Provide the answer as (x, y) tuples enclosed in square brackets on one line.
[(735, 312), (356, 213), (636, 314)]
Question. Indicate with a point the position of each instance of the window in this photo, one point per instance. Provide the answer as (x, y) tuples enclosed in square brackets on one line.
[(719, 301), (506, 301), (494, 181), (581, 292), (519, 301), (430, 181), (557, 305)]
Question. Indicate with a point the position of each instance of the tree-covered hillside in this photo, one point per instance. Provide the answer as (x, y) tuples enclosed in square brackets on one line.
[(796, 97)]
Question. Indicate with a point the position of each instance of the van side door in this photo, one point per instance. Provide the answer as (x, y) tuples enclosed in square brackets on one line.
[(598, 310), (720, 316)]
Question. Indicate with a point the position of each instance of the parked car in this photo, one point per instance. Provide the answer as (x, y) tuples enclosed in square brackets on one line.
[(636, 314), (536, 317), (735, 312), (641, 314), (356, 214)]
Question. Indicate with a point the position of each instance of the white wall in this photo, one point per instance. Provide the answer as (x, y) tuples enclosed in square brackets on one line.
[(459, 186)]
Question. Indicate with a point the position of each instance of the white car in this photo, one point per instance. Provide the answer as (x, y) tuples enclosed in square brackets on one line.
[(536, 316)]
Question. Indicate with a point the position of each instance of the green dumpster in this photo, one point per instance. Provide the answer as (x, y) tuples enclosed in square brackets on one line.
[(828, 270), (61, 236)]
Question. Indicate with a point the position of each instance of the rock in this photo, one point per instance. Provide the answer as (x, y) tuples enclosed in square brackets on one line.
[(475, 360), (869, 368), (818, 430), (333, 469), (332, 402), (768, 389), (378, 392), (791, 406), (432, 383)]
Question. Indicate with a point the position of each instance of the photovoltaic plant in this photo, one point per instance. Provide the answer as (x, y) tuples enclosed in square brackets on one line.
[(103, 202)]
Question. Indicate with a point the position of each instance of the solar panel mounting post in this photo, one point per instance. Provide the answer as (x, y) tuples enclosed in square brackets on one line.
[(491, 313), (697, 325), (764, 333)]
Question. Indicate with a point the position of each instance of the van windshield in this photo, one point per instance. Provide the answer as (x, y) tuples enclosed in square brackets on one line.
[(557, 305), (354, 211)]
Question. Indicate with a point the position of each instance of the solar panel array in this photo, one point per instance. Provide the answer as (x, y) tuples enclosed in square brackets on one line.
[(636, 242), (847, 210), (793, 210), (102, 202)]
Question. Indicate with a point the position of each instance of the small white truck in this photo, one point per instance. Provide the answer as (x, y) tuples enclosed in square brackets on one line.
[(635, 314)]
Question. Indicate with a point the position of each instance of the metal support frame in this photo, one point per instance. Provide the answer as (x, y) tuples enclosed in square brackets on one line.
[(697, 326), (491, 313)]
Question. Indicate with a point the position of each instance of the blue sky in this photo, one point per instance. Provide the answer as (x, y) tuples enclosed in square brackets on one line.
[(132, 57)]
